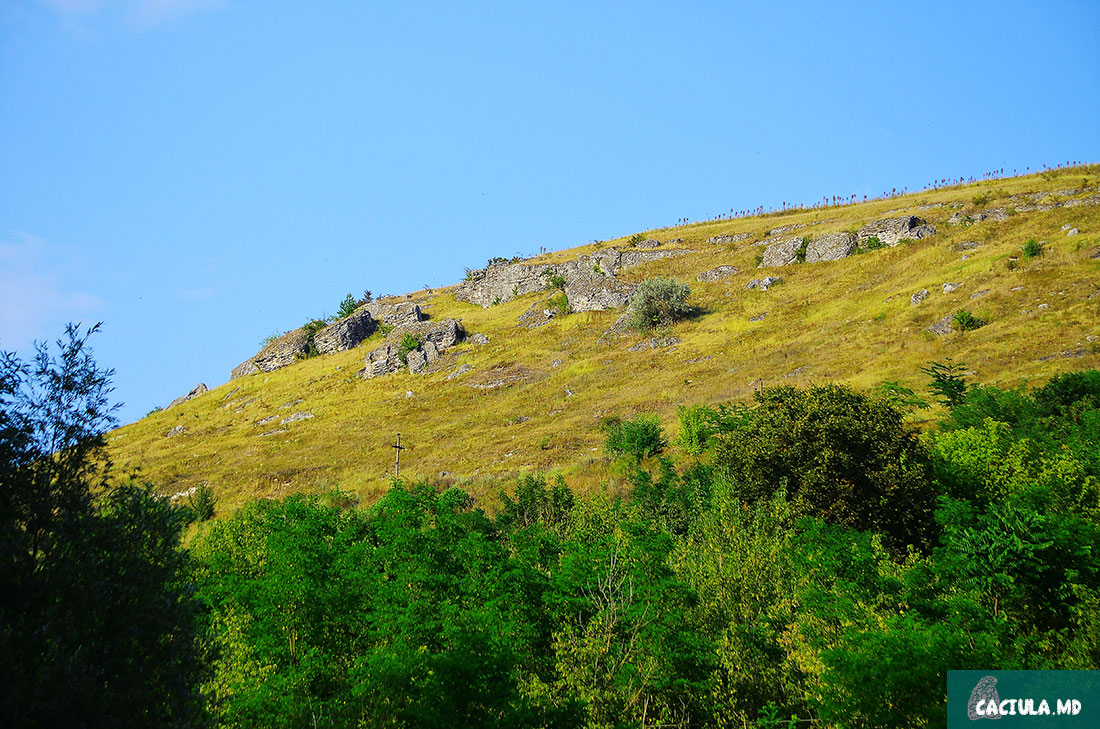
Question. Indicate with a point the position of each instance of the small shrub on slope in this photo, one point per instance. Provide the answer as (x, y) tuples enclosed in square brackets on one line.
[(1032, 249), (636, 439), (408, 343), (965, 321), (658, 302)]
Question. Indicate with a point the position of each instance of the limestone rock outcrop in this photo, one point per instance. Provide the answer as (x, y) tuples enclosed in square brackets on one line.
[(786, 228), (782, 253), (195, 392), (346, 333), (729, 238), (892, 231), (536, 315), (830, 247), (942, 326), (394, 315), (283, 351), (505, 281), (593, 292), (434, 338), (763, 283), (614, 260), (716, 274)]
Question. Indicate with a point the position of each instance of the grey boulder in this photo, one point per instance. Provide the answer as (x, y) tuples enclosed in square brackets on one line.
[(195, 392), (782, 253), (346, 333), (892, 231), (716, 274), (281, 352), (830, 247)]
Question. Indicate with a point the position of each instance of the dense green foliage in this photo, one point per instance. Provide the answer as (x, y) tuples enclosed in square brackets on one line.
[(840, 456), (96, 606), (818, 558), (808, 555)]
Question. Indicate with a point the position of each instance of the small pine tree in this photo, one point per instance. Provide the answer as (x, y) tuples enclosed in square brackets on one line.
[(202, 502), (347, 307), (948, 383)]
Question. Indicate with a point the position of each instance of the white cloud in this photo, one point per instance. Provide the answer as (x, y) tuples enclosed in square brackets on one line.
[(41, 289)]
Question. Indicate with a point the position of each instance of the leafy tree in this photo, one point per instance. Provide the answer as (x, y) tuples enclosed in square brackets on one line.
[(534, 503), (844, 457), (311, 328), (1063, 392), (96, 618), (411, 614), (621, 642)]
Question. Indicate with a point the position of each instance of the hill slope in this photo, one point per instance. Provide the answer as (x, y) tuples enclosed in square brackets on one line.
[(532, 398)]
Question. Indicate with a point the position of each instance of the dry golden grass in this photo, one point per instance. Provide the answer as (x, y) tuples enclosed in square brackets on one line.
[(846, 321)]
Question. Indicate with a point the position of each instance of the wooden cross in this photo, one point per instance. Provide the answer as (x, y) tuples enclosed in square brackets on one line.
[(397, 464)]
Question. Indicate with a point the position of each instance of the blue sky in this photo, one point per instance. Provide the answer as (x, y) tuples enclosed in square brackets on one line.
[(199, 174)]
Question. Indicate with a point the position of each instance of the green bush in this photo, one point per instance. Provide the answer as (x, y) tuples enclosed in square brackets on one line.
[(635, 240), (347, 307), (1032, 248), (555, 281), (658, 302), (697, 426), (800, 254), (873, 244), (559, 303), (311, 328), (635, 439), (408, 343), (965, 321)]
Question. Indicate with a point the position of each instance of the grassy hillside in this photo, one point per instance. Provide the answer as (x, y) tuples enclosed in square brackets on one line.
[(846, 321)]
